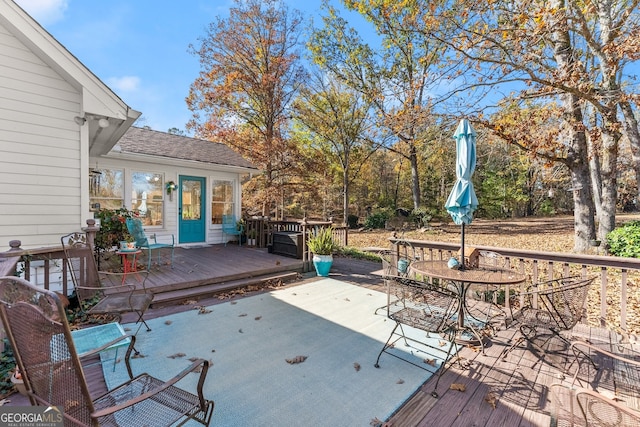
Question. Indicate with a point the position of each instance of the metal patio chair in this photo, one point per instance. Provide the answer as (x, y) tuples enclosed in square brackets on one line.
[(578, 407), (94, 296), (425, 307), (36, 325), (490, 312), (396, 262), (134, 226), (610, 369), (548, 310), (230, 227)]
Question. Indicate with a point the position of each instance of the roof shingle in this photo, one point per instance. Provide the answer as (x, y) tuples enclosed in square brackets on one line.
[(154, 143)]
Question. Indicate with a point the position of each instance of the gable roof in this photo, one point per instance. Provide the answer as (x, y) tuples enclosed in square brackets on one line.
[(141, 141)]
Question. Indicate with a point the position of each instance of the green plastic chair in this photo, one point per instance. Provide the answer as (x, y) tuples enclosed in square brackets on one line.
[(134, 226)]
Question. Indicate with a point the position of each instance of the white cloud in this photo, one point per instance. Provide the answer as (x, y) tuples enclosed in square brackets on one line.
[(44, 11), (124, 83)]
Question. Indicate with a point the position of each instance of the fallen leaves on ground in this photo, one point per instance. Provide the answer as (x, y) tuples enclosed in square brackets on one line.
[(297, 359), (356, 366), (176, 355), (375, 422), (431, 362), (458, 386), (491, 399)]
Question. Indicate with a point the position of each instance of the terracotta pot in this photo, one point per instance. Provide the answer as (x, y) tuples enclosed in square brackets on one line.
[(18, 384)]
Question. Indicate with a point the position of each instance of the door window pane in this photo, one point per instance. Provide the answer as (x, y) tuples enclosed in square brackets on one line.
[(147, 197), (191, 199), (222, 202)]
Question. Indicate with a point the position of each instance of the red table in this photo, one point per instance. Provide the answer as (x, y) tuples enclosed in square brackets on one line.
[(130, 265)]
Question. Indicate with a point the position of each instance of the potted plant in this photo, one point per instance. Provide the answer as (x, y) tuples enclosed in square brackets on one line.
[(251, 237), (321, 244), (18, 383)]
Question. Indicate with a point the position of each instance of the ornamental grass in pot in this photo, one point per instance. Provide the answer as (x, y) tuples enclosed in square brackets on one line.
[(321, 244)]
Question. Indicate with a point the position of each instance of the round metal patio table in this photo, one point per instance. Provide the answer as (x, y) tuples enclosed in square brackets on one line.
[(463, 279)]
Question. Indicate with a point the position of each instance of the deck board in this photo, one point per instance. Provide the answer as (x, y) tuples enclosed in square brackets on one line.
[(520, 383)]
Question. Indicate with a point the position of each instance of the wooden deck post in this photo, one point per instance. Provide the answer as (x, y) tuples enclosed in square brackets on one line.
[(91, 230)]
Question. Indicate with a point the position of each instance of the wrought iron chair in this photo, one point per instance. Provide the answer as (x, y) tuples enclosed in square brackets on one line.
[(425, 307), (582, 407), (231, 227), (134, 226), (491, 311), (396, 262), (555, 306), (35, 322), (610, 369), (94, 297)]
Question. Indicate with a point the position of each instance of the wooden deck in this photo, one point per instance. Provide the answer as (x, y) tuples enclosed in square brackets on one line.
[(200, 272), (512, 392)]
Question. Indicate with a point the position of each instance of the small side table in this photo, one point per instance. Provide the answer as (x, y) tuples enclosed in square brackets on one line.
[(88, 339), (129, 261)]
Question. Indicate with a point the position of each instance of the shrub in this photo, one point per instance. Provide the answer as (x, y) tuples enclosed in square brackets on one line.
[(624, 241), (421, 217), (352, 221), (113, 227), (377, 219)]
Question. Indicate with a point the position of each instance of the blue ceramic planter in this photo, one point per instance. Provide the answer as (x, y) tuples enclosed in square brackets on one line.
[(322, 263)]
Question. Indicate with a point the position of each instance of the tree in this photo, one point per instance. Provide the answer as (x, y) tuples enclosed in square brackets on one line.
[(250, 73), (396, 77), (564, 51), (340, 118), (176, 131)]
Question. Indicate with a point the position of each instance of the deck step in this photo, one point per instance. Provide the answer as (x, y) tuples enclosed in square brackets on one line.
[(162, 299)]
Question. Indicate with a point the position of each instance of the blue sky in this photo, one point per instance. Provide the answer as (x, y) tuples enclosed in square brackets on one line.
[(139, 48)]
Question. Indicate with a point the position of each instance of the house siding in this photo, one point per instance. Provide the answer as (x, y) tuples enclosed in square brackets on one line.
[(40, 157), (172, 173)]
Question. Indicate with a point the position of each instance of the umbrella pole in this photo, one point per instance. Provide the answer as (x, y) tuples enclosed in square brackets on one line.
[(462, 249)]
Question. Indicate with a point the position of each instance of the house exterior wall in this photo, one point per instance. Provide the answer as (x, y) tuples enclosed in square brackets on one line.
[(41, 161), (173, 173)]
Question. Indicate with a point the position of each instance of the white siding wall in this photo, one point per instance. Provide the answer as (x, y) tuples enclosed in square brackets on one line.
[(172, 173), (40, 162)]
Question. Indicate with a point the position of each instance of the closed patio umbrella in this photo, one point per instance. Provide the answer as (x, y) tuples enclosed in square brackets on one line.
[(462, 201)]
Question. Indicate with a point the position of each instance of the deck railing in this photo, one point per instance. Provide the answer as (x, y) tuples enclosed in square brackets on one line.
[(47, 263), (616, 293), (616, 288), (263, 229)]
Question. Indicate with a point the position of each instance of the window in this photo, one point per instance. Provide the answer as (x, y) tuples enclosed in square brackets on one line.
[(222, 202), (106, 189), (147, 196)]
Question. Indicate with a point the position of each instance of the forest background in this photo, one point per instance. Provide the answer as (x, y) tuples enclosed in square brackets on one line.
[(360, 130)]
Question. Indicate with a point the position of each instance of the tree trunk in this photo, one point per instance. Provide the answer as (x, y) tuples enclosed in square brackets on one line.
[(609, 164), (415, 177), (345, 200), (577, 160), (631, 130)]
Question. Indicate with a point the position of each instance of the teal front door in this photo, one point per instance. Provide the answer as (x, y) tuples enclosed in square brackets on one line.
[(191, 212)]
